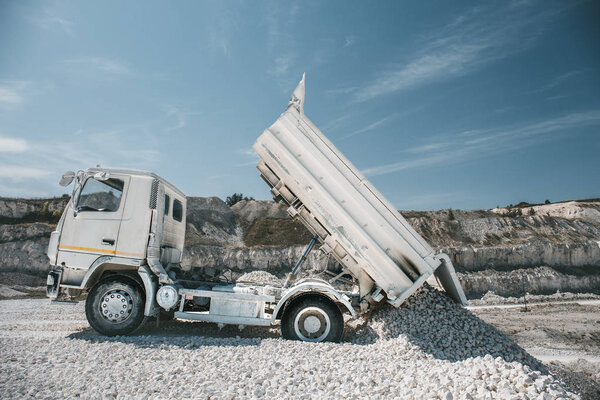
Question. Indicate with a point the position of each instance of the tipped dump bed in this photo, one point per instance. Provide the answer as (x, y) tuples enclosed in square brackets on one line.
[(354, 222)]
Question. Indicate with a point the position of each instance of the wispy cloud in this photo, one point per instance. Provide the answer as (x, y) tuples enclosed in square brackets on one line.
[(99, 65), (223, 27), (18, 172), (344, 90), (471, 41), (371, 127), (427, 148), (121, 146), (456, 147), (349, 41), (282, 64), (12, 93), (248, 153), (48, 19), (282, 46), (560, 80), (13, 145), (176, 115)]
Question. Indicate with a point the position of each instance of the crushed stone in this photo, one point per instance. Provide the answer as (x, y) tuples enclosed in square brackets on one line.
[(429, 348)]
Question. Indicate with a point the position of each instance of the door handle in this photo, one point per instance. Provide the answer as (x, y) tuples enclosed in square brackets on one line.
[(110, 242)]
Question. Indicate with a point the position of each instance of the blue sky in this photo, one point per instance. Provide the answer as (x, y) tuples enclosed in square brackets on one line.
[(441, 104)]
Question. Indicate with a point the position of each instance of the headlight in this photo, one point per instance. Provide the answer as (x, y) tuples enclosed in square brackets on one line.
[(167, 297)]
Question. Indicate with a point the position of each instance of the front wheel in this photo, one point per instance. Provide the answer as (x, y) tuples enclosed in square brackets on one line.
[(313, 319), (115, 306)]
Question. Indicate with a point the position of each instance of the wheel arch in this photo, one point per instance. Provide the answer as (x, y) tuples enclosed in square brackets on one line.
[(106, 265), (313, 288)]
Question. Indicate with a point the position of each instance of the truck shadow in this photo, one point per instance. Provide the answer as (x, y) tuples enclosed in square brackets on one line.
[(184, 334)]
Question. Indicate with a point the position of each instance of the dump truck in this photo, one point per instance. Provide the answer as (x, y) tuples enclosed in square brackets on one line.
[(119, 245)]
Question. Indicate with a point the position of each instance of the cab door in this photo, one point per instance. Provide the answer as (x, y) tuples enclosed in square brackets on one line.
[(91, 228)]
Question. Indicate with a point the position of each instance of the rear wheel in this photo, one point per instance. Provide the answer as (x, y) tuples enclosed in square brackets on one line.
[(115, 306), (312, 319)]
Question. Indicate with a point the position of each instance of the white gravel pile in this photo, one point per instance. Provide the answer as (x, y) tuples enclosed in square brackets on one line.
[(260, 277), (442, 328), (48, 351)]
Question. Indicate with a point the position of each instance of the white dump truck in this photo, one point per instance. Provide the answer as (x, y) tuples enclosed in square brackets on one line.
[(120, 240)]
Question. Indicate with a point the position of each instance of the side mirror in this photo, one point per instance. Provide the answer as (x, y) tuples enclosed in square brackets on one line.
[(67, 178)]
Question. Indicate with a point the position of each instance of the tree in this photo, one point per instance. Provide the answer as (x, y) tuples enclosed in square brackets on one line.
[(547, 202), (235, 198), (450, 215)]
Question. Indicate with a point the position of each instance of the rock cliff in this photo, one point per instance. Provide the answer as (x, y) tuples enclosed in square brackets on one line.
[(486, 246)]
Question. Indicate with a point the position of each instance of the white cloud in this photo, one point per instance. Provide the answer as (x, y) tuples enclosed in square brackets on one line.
[(12, 145), (282, 48), (427, 148), (50, 20), (560, 80), (345, 90), (349, 41), (251, 154), (9, 96), (223, 27), (477, 143), (468, 43), (99, 64), (282, 64), (17, 172), (371, 126), (12, 93)]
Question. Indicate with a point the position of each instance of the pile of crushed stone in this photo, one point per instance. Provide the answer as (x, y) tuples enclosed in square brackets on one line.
[(260, 277), (429, 348), (440, 327)]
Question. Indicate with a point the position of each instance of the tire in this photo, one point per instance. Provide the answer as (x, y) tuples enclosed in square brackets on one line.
[(115, 306), (312, 318)]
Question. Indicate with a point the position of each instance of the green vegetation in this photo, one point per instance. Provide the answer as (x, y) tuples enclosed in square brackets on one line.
[(235, 198)]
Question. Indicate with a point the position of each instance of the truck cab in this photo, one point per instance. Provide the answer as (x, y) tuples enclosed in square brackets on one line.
[(118, 246)]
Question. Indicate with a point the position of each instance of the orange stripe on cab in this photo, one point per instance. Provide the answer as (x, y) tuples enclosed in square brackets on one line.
[(104, 251)]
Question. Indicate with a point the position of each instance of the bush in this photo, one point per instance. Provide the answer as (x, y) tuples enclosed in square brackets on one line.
[(547, 202), (235, 198)]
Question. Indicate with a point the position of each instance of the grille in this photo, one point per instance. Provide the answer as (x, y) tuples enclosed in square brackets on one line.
[(154, 194)]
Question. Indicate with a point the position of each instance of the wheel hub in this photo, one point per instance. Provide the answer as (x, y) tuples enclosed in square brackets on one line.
[(116, 306), (312, 324)]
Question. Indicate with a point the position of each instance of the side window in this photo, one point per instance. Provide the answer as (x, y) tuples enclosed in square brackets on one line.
[(177, 210), (167, 204), (101, 195)]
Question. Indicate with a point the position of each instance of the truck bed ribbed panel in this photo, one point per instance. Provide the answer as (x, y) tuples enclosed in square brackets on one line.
[(356, 224)]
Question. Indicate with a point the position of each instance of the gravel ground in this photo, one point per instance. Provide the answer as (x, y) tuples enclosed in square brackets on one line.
[(490, 298), (430, 348)]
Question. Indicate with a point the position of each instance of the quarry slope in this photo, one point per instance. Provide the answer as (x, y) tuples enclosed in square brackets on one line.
[(544, 248)]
